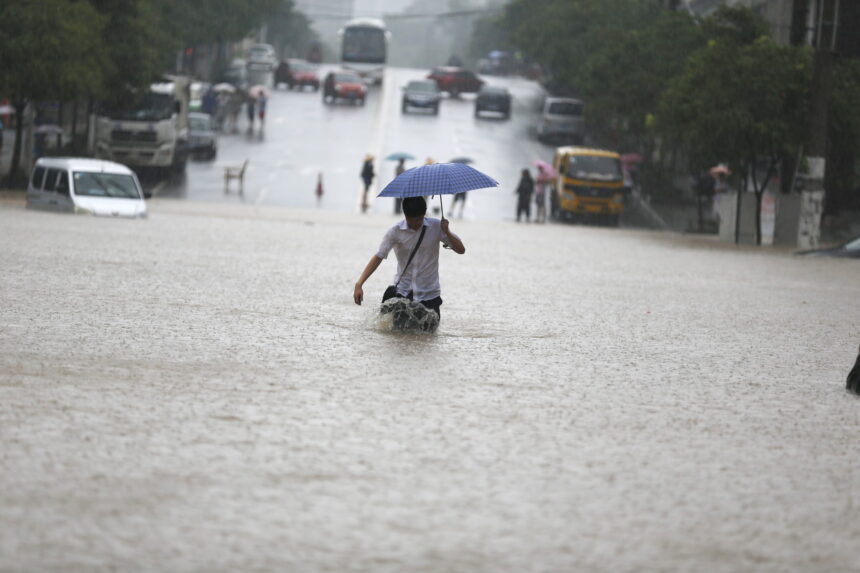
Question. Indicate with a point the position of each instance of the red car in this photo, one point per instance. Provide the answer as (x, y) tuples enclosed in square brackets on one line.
[(456, 81), (297, 74), (344, 85)]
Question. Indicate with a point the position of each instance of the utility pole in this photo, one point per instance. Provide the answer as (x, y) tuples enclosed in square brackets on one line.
[(823, 28)]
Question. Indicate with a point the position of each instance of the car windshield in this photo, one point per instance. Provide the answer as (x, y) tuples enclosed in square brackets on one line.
[(568, 108), (428, 87), (364, 44), (347, 79), (594, 167), (260, 53), (114, 185), (152, 107), (200, 123)]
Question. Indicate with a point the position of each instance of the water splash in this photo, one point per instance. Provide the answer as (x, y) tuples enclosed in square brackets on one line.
[(400, 314)]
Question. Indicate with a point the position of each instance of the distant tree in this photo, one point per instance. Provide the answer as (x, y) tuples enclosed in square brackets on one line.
[(487, 35), (740, 104), (290, 31), (624, 76), (50, 49)]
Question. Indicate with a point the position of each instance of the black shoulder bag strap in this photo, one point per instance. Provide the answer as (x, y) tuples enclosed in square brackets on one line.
[(411, 255)]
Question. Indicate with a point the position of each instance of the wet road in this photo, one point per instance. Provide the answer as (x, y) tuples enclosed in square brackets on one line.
[(197, 392), (303, 137)]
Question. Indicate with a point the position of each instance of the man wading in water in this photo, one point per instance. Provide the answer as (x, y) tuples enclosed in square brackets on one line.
[(420, 282)]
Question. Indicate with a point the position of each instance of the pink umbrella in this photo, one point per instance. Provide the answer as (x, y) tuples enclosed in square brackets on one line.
[(631, 158), (547, 168), (719, 169)]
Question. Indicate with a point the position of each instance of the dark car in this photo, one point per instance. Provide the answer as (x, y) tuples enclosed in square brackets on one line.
[(344, 85), (455, 81), (201, 135), (850, 250), (421, 94), (493, 99), (297, 74)]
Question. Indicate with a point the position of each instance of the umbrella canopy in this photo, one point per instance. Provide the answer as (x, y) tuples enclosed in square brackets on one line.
[(547, 168), (49, 129), (719, 169), (6, 109), (258, 91), (224, 87), (398, 155), (437, 179), (631, 158), (463, 160)]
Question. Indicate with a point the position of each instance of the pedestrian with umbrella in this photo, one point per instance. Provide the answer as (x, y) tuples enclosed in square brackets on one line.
[(415, 240), (545, 176)]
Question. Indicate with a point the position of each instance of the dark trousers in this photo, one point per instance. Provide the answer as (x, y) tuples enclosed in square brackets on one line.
[(524, 207), (432, 304)]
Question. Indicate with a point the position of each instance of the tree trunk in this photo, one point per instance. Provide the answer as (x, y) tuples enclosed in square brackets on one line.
[(14, 168), (75, 125)]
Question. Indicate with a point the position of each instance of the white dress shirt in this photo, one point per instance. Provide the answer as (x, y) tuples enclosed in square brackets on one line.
[(422, 276)]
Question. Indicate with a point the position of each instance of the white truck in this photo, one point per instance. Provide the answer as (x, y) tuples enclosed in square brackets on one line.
[(150, 132)]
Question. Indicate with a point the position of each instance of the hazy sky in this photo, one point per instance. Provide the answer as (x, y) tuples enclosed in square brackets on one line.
[(377, 8)]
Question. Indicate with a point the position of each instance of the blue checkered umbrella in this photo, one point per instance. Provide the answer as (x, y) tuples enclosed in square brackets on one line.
[(437, 179)]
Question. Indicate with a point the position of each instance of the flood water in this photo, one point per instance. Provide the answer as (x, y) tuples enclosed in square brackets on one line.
[(198, 391)]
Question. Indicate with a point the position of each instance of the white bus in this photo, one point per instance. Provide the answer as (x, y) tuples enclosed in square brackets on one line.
[(364, 48)]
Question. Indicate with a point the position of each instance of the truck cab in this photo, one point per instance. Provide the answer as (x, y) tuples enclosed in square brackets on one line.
[(590, 185), (150, 130)]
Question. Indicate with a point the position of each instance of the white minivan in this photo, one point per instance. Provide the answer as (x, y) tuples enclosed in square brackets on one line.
[(85, 186), (562, 121)]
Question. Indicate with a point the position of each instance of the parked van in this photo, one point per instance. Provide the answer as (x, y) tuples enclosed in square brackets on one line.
[(590, 185), (85, 186), (562, 120)]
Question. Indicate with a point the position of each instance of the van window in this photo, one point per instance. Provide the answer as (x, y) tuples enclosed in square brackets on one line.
[(62, 186), (51, 179), (38, 177), (565, 108), (113, 185)]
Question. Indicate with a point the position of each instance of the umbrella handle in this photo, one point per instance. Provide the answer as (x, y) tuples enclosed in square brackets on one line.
[(441, 209)]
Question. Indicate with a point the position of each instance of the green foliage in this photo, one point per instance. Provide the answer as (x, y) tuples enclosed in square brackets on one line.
[(739, 103), (50, 48), (290, 31)]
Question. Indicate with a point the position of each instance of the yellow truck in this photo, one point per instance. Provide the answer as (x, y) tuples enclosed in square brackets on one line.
[(590, 185)]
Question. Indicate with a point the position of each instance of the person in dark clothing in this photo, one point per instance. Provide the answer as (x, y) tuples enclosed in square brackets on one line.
[(367, 175), (250, 109), (524, 191), (852, 383), (398, 201)]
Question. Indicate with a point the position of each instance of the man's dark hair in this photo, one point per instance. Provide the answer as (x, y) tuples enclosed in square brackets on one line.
[(414, 206)]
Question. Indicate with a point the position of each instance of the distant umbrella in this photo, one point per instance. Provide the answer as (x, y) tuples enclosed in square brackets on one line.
[(631, 158), (258, 91), (224, 87), (398, 155), (547, 168), (6, 109), (463, 160), (719, 169), (49, 129)]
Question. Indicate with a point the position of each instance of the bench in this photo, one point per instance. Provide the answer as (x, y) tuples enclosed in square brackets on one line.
[(237, 173)]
